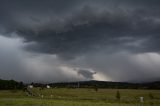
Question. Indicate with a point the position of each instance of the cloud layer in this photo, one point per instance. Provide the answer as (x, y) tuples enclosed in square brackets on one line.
[(119, 40)]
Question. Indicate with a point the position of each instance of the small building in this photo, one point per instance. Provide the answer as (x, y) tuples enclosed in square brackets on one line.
[(48, 86), (30, 86)]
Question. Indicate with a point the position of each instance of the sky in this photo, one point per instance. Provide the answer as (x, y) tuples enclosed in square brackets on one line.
[(78, 40)]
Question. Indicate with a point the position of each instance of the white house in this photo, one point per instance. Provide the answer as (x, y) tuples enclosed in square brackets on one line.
[(30, 86), (48, 86)]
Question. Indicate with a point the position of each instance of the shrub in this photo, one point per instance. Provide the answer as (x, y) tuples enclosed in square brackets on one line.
[(118, 96), (151, 96)]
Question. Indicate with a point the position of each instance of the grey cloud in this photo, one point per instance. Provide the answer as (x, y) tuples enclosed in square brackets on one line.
[(92, 28), (11, 63), (20, 65), (122, 66), (95, 30), (87, 73), (91, 32)]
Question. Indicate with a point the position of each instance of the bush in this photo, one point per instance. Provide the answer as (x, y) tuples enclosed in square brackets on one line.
[(118, 96), (151, 96), (96, 88)]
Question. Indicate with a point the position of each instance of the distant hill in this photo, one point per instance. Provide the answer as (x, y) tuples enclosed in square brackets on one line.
[(11, 84), (104, 84)]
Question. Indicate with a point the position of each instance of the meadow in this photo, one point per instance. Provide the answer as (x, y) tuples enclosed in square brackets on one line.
[(79, 97)]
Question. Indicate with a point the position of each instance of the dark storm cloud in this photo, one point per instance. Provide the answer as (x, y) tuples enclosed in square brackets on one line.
[(88, 29), (70, 28)]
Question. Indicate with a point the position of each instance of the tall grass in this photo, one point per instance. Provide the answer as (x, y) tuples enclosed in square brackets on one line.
[(80, 97)]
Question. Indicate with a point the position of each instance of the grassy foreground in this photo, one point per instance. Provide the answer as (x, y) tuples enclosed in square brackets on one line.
[(80, 97)]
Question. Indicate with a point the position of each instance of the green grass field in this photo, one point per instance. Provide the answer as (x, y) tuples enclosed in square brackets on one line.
[(79, 97)]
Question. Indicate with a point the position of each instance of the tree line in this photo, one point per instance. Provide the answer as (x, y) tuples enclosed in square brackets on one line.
[(12, 84)]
